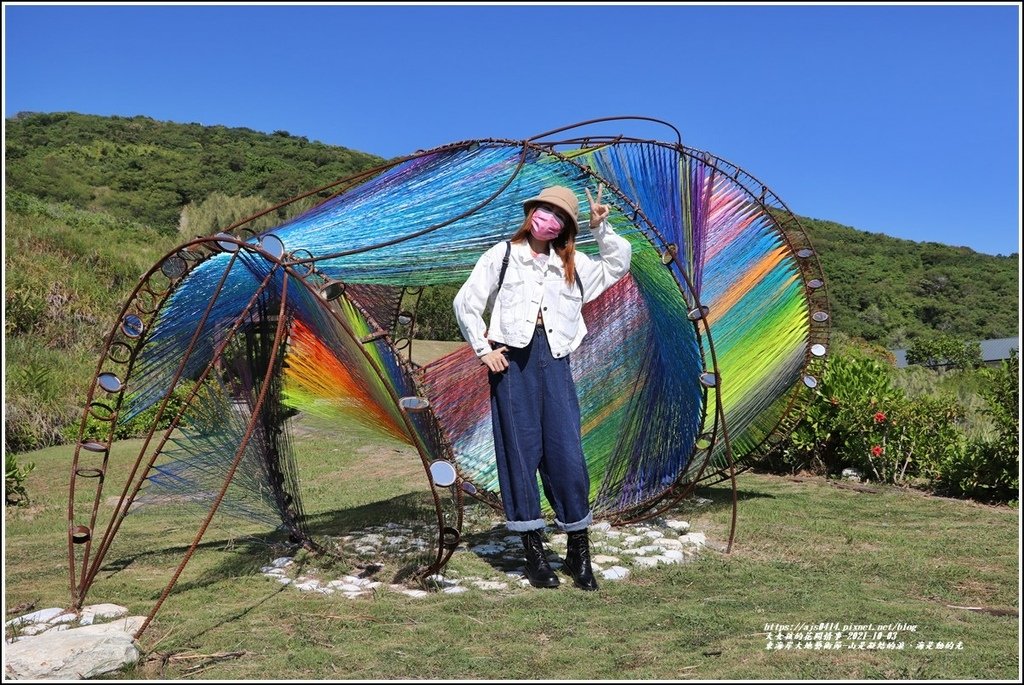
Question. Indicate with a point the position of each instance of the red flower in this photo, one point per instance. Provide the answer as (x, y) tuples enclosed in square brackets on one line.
[(879, 417), (877, 450)]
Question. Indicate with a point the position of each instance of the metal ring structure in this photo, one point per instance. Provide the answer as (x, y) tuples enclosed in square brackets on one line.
[(386, 323)]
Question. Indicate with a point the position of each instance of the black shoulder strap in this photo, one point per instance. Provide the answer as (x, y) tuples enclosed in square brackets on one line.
[(504, 263), (579, 282)]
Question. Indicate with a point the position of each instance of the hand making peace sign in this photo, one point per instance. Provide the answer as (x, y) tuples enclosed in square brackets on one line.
[(598, 211)]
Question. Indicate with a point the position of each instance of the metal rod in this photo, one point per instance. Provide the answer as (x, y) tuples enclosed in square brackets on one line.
[(254, 416)]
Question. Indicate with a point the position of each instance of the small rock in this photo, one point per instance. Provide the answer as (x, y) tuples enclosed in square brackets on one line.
[(615, 573), (282, 579), (41, 616), (66, 618), (415, 593), (101, 611), (670, 543), (674, 554), (646, 561), (602, 526), (454, 590), (352, 595), (488, 550), (681, 526), (636, 551), (852, 474), (693, 539), (308, 585), (653, 534), (605, 559), (490, 585)]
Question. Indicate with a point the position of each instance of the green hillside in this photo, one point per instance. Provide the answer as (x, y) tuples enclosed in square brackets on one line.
[(92, 202), (148, 171), (891, 291)]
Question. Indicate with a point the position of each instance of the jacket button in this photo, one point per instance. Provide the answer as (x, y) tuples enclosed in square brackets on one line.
[(545, 308), (550, 330)]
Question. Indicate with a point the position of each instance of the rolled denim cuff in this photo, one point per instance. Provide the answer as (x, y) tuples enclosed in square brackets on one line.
[(579, 525), (525, 526)]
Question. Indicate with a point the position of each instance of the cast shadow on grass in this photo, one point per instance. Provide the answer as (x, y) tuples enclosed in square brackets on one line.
[(413, 509)]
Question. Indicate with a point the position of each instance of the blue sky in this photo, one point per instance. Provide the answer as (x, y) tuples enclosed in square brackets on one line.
[(901, 120)]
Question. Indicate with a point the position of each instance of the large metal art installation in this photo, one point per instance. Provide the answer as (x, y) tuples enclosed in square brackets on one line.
[(702, 357)]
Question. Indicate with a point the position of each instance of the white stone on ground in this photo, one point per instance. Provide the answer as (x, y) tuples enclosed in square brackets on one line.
[(602, 526), (646, 561), (605, 559), (70, 654), (41, 616), (615, 573), (681, 526), (454, 590), (281, 562), (490, 585), (488, 550), (693, 539)]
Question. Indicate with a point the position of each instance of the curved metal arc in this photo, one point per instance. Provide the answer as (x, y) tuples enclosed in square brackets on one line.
[(589, 122), (143, 285), (253, 419), (124, 504)]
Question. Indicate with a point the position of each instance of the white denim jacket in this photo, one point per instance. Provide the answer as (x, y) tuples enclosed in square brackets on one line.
[(529, 289)]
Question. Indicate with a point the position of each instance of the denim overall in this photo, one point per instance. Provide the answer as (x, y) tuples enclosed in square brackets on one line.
[(535, 415)]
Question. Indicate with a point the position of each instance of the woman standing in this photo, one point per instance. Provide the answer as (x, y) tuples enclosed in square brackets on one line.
[(536, 285)]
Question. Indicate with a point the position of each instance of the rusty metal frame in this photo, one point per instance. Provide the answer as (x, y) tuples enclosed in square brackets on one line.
[(449, 536)]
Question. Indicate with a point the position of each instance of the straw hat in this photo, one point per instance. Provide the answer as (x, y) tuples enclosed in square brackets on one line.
[(557, 196)]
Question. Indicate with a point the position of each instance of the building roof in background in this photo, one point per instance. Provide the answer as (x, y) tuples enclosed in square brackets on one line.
[(998, 349), (991, 351)]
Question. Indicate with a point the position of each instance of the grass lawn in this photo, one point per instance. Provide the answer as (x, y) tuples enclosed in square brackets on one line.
[(806, 552)]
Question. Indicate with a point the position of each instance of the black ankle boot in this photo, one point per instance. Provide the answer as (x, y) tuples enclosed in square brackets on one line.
[(538, 571), (577, 560)]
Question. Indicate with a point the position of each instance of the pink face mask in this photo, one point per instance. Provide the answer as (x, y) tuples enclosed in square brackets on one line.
[(544, 225)]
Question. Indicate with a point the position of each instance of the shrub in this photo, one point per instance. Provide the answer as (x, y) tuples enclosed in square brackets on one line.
[(863, 418), (989, 469), (15, 475)]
